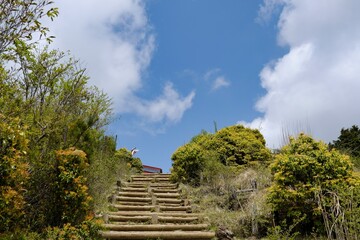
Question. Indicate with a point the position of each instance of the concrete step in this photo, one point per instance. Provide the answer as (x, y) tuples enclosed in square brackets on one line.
[(157, 235)]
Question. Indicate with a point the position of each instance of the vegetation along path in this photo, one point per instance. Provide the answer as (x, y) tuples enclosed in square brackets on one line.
[(151, 207)]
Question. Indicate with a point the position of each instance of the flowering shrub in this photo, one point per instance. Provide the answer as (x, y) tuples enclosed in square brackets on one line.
[(13, 172), (87, 230), (72, 191), (303, 167)]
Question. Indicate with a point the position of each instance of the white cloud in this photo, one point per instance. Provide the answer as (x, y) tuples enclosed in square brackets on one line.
[(170, 106), (115, 42), (317, 82), (220, 82), (216, 79), (211, 73)]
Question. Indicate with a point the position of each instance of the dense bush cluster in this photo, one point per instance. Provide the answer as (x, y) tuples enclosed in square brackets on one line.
[(56, 161), (234, 146), (304, 189), (13, 172), (301, 170)]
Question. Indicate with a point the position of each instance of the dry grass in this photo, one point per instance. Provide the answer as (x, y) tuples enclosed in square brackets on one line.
[(225, 206)]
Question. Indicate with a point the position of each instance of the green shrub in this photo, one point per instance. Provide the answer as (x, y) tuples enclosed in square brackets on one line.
[(238, 145), (234, 146), (13, 173), (134, 164), (300, 170), (187, 164), (72, 191), (87, 230)]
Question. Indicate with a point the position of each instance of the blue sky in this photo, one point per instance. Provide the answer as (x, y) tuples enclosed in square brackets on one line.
[(174, 67)]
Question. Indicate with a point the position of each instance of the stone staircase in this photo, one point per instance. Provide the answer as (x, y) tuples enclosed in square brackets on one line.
[(151, 207)]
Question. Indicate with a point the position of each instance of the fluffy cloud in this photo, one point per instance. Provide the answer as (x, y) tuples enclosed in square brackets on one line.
[(220, 82), (216, 79), (315, 85), (115, 42), (168, 106)]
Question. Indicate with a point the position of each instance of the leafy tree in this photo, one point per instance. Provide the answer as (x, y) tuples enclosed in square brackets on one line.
[(349, 143), (49, 94), (20, 19), (47, 91), (302, 168)]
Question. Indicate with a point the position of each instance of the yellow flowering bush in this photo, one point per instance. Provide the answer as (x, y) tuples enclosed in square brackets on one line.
[(13, 172), (301, 170), (74, 200)]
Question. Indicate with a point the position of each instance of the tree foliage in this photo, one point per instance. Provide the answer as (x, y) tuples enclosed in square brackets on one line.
[(300, 170), (54, 153), (348, 142), (20, 20), (134, 164), (233, 146), (72, 196)]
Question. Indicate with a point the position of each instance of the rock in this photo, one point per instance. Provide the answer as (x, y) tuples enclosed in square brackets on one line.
[(224, 234)]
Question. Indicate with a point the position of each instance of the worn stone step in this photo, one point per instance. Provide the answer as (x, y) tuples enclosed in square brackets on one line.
[(156, 227), (150, 176), (134, 189), (150, 207), (129, 218), (163, 185), (135, 185), (157, 235), (133, 199), (155, 175), (171, 204), (133, 208), (175, 208), (144, 213), (165, 190), (168, 219), (169, 200), (167, 195), (142, 180), (128, 203), (134, 194)]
